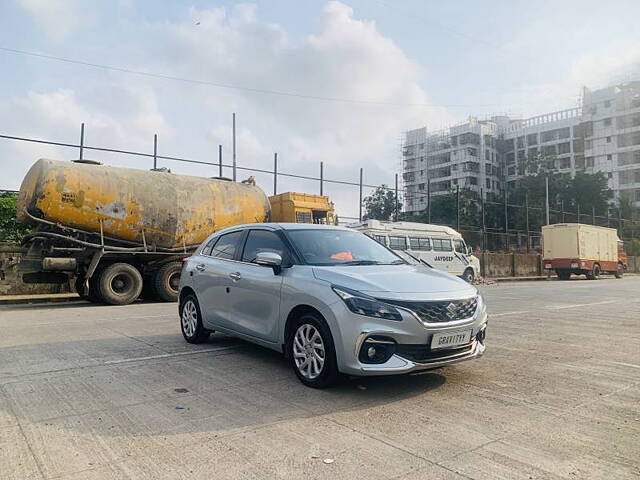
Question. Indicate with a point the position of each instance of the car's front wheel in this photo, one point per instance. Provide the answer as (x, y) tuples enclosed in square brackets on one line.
[(191, 321), (312, 352)]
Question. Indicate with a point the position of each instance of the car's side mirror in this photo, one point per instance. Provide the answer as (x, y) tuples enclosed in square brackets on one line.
[(270, 259)]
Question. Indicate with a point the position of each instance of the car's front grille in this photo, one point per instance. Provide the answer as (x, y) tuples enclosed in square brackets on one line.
[(438, 312), (423, 354)]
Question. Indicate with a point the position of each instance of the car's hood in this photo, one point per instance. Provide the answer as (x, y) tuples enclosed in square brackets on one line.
[(399, 282)]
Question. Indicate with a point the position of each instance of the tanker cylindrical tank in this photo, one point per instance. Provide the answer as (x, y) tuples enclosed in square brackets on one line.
[(172, 210)]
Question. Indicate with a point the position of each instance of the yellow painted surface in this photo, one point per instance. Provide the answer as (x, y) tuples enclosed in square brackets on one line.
[(580, 241), (171, 209), (286, 206)]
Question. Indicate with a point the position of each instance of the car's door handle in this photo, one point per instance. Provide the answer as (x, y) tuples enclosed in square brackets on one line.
[(200, 267), (235, 276)]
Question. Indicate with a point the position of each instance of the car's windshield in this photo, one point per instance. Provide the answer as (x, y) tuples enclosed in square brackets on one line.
[(340, 247)]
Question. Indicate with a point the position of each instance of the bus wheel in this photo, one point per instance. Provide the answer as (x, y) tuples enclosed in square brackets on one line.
[(468, 275)]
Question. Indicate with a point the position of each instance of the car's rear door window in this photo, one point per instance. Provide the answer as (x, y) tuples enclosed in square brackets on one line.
[(262, 241), (227, 245)]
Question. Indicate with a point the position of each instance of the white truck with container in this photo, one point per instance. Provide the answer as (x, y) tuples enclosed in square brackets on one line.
[(441, 247), (579, 249)]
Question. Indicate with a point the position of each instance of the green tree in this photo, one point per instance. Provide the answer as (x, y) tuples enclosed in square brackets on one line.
[(444, 209), (381, 204), (10, 228)]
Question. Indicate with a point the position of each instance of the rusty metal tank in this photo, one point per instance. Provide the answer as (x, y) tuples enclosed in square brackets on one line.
[(170, 210)]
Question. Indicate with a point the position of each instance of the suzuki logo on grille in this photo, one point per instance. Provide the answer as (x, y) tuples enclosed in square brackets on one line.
[(452, 309)]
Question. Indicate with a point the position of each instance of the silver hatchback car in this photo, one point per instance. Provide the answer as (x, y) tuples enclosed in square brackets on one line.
[(332, 299)]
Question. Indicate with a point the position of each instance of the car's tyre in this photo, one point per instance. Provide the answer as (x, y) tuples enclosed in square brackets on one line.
[(119, 284), (468, 275), (619, 271), (563, 274), (594, 274), (312, 351), (166, 281), (191, 325)]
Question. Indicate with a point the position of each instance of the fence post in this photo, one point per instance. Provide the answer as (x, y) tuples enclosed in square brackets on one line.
[(396, 200), (562, 210), (484, 225), (578, 213), (234, 146), (220, 161), (321, 178), (360, 196), (593, 215), (526, 219), (506, 218), (81, 140), (275, 173), (458, 207), (546, 197), (155, 151)]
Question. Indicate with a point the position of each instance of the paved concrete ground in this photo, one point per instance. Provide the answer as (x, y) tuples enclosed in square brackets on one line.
[(93, 392)]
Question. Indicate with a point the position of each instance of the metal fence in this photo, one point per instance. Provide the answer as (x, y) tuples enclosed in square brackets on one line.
[(519, 229)]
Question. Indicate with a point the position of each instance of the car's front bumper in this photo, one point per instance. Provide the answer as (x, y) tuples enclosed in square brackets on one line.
[(397, 364), (412, 337)]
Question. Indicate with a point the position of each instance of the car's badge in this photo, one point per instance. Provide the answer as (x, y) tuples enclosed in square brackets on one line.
[(452, 309)]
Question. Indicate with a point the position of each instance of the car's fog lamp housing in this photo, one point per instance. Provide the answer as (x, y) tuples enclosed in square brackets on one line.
[(376, 349)]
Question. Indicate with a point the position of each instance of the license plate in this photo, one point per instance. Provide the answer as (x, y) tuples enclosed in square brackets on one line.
[(450, 340), (548, 265)]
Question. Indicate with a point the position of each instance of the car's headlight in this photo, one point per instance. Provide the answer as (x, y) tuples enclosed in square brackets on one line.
[(365, 305)]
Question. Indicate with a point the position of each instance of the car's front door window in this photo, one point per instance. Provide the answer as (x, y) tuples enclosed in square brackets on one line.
[(262, 241)]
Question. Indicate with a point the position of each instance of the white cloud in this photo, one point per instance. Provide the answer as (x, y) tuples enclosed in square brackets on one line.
[(57, 18)]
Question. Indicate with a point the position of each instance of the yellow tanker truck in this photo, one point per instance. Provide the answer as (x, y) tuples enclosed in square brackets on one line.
[(122, 233)]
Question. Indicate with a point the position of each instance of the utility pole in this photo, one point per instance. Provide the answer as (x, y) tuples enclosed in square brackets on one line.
[(82, 140), (220, 160), (275, 173), (526, 216), (321, 178), (360, 202), (234, 146)]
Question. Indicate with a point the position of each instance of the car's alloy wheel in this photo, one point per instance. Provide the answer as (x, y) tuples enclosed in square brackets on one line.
[(191, 321), (189, 318), (308, 351)]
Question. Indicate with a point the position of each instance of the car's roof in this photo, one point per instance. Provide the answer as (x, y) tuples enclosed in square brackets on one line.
[(283, 226)]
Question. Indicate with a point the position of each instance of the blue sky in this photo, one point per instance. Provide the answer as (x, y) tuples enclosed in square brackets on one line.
[(466, 57)]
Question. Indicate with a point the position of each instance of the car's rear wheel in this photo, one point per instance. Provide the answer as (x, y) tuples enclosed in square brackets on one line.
[(191, 325), (312, 352)]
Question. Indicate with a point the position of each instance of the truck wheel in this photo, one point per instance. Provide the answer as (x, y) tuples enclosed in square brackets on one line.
[(594, 274), (563, 274), (468, 275), (93, 295), (119, 284), (166, 281), (619, 271)]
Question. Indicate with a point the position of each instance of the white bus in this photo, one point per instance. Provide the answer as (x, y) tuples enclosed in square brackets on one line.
[(441, 247)]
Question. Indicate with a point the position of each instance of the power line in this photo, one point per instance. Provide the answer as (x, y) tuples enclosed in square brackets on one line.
[(237, 87)]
